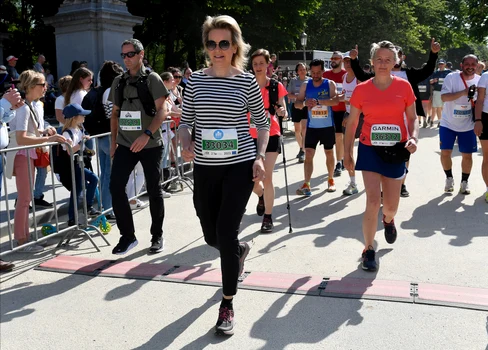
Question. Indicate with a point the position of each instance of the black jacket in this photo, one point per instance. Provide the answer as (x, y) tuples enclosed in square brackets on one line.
[(414, 75)]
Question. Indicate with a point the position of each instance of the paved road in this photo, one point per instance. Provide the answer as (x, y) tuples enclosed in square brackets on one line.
[(442, 240)]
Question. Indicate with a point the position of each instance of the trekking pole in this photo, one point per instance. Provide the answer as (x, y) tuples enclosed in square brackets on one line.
[(286, 177)]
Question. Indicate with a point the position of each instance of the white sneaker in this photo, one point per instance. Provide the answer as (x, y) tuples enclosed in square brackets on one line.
[(464, 189), (166, 194), (449, 185), (351, 189), (139, 204), (32, 249)]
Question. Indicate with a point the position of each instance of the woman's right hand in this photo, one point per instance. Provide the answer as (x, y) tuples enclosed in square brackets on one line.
[(188, 153), (56, 138)]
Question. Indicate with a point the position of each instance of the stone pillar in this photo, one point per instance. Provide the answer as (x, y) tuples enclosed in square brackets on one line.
[(3, 36), (92, 31)]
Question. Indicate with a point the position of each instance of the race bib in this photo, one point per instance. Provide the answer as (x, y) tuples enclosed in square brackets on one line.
[(339, 88), (422, 88), (320, 111), (440, 81), (130, 120), (219, 143), (462, 111), (268, 119), (385, 134)]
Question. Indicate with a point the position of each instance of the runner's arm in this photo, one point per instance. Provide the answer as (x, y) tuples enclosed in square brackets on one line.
[(359, 72), (300, 101), (334, 98), (417, 75)]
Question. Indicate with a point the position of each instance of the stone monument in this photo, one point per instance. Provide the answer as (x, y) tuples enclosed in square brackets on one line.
[(92, 31)]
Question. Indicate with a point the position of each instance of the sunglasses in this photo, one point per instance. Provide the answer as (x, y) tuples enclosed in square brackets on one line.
[(212, 45), (336, 59), (177, 76), (129, 54), (42, 84)]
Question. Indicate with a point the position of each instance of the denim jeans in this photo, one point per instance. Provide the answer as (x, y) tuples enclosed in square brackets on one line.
[(40, 182), (105, 170), (91, 181)]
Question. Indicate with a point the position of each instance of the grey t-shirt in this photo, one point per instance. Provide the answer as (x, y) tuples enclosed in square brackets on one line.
[(295, 84), (133, 104)]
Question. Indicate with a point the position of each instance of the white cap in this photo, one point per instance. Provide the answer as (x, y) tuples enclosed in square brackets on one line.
[(10, 58), (3, 68)]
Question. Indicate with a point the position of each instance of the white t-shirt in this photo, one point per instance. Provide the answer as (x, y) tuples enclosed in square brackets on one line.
[(77, 137), (59, 104), (78, 96), (483, 83), (400, 73), (457, 115), (348, 88), (23, 120)]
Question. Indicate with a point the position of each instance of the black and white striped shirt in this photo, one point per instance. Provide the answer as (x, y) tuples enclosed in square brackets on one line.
[(223, 103)]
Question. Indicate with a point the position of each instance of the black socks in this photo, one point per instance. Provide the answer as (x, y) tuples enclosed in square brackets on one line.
[(227, 303), (448, 173), (464, 177)]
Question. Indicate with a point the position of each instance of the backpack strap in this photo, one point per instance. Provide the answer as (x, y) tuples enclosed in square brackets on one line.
[(143, 94), (273, 95)]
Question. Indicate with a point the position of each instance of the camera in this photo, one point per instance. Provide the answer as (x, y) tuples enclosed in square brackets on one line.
[(471, 92)]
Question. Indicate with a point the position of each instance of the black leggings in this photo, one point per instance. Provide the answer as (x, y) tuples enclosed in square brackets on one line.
[(220, 197)]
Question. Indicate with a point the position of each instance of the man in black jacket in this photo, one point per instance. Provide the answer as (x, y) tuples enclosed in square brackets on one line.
[(413, 75)]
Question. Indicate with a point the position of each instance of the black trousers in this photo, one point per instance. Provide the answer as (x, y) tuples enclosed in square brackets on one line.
[(220, 197), (123, 163)]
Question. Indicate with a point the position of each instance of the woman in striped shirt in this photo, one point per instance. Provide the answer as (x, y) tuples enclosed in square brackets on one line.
[(215, 106)]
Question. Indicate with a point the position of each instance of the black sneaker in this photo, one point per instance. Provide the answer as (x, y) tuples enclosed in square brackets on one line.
[(245, 249), (404, 192), (338, 170), (71, 222), (390, 231), (157, 245), (368, 261), (267, 226), (124, 245), (110, 217), (225, 322), (260, 206), (93, 212), (40, 202)]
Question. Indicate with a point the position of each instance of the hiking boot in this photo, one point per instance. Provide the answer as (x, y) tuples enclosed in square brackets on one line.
[(331, 185), (404, 192), (40, 202), (157, 245), (351, 189), (464, 189), (368, 259), (267, 226), (245, 249), (260, 206), (124, 245), (449, 185), (304, 190), (225, 322), (338, 169), (390, 231)]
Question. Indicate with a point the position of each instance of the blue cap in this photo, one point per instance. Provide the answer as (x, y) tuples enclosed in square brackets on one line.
[(74, 109), (442, 61)]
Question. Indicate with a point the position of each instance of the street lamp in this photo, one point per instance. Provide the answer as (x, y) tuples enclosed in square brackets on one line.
[(303, 41)]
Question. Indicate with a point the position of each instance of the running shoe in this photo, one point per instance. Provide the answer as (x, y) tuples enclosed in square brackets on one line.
[(368, 259), (338, 169), (351, 189), (331, 186), (93, 212), (304, 191), (35, 248), (166, 194), (390, 231), (124, 245), (245, 249), (404, 192), (267, 226), (157, 245), (139, 205), (40, 202), (260, 206), (301, 157), (449, 185), (464, 189), (225, 322), (486, 197)]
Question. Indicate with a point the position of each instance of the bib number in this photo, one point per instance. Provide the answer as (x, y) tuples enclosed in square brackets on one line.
[(320, 112), (440, 81), (219, 143), (385, 134), (339, 88), (130, 120), (462, 111), (422, 88)]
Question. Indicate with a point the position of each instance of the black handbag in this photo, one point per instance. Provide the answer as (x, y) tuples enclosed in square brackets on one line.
[(395, 154)]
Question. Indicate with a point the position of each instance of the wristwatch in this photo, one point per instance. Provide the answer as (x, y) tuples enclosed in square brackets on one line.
[(148, 133), (261, 155)]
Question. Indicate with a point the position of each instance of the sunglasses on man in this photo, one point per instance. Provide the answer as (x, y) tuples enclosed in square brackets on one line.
[(129, 54), (212, 45)]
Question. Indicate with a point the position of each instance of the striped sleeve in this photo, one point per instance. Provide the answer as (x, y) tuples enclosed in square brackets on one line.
[(256, 106)]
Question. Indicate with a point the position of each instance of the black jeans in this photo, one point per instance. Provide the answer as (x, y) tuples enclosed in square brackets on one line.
[(220, 197), (123, 163)]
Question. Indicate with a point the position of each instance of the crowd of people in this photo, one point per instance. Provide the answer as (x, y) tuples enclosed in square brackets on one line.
[(229, 124)]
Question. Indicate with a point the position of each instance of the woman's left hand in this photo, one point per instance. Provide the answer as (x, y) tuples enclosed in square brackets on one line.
[(258, 170), (50, 131), (280, 111), (411, 145)]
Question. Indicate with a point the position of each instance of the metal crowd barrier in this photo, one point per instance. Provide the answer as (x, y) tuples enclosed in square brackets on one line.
[(58, 231)]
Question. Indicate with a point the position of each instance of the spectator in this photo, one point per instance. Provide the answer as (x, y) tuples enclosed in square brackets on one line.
[(59, 103), (27, 130), (12, 72), (74, 66), (79, 86), (49, 79), (38, 66)]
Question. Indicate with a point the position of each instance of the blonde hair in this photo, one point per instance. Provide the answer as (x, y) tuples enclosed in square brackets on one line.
[(29, 79), (70, 123), (384, 45), (239, 60), (64, 83)]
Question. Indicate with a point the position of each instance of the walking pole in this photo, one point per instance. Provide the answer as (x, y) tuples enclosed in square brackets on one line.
[(284, 167)]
